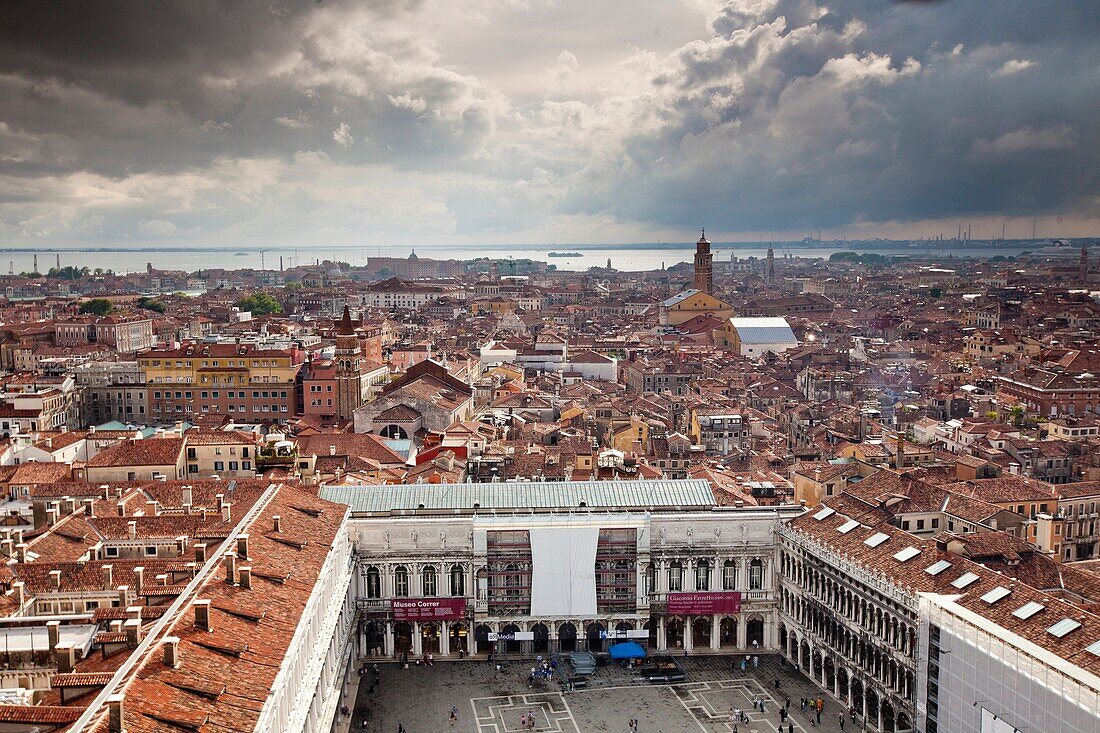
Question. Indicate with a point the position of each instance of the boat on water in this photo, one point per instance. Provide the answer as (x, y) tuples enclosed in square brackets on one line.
[(565, 254)]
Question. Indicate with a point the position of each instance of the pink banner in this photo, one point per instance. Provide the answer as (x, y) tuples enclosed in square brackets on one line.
[(427, 609), (704, 604)]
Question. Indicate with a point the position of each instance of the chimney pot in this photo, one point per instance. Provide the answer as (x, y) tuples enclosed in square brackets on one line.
[(200, 552), (133, 612), (21, 552), (65, 655), (108, 573), (132, 627), (242, 545), (121, 510), (55, 579), (20, 589), (220, 499), (230, 567), (152, 509), (53, 633), (245, 576), (162, 579), (131, 529), (171, 651), (139, 579), (116, 715), (89, 507), (8, 547), (123, 595), (202, 615), (227, 512)]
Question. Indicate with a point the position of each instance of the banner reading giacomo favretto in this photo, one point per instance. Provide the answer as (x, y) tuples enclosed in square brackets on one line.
[(704, 603)]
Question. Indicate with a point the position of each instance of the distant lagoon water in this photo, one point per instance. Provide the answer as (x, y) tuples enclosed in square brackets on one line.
[(631, 257)]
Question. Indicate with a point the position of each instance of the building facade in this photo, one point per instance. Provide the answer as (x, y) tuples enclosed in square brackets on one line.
[(476, 551)]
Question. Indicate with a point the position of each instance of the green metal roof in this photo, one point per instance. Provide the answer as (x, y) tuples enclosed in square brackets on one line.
[(368, 499)]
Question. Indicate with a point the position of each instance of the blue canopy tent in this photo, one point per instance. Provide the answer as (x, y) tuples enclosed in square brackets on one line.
[(627, 650)]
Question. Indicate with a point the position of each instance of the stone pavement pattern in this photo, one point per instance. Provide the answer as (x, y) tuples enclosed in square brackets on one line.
[(420, 699)]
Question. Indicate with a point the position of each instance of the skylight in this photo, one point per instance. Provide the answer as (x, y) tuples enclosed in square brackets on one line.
[(907, 554), (876, 539), (1028, 610), (937, 568), (1094, 647), (1063, 627), (826, 512), (964, 580), (847, 526), (996, 594)]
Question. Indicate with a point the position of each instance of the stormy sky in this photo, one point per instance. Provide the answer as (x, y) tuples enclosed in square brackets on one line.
[(298, 122)]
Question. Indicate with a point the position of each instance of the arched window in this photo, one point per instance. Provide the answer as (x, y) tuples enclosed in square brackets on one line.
[(675, 576), (729, 575), (458, 581), (756, 574), (702, 575), (401, 581), (427, 577), (374, 583)]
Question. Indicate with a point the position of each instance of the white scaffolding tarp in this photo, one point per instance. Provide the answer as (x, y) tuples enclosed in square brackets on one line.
[(563, 578)]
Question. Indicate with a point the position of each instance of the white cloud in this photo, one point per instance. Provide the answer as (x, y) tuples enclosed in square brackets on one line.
[(1057, 137), (158, 228), (342, 135), (1014, 66)]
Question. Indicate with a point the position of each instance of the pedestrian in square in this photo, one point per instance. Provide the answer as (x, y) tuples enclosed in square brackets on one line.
[(840, 717), (755, 662)]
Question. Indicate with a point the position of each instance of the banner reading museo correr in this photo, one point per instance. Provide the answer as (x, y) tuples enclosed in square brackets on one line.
[(426, 609), (704, 604)]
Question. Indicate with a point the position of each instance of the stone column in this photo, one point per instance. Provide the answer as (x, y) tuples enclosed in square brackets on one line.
[(388, 642), (716, 632), (742, 632), (743, 573), (417, 641), (662, 638), (715, 574), (445, 639), (687, 633)]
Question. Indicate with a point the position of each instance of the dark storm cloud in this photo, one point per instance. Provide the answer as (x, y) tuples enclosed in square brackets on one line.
[(119, 88), (797, 116), (293, 119)]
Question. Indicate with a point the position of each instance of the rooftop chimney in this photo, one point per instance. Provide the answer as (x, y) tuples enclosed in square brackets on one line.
[(202, 615), (171, 646), (901, 451), (17, 535), (152, 509), (200, 552), (132, 627), (230, 567), (242, 545), (53, 633), (227, 512), (108, 573), (245, 578), (7, 546), (65, 655), (133, 612), (55, 579), (332, 450), (187, 496), (121, 509), (68, 505), (21, 552), (131, 529), (139, 579), (52, 515), (220, 499), (115, 714), (123, 595), (20, 590), (89, 507), (277, 523)]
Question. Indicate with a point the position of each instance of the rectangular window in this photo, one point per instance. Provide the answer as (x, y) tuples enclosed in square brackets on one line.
[(219, 466), (150, 552)]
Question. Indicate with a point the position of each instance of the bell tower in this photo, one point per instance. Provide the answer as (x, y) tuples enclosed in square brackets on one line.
[(349, 368), (704, 265)]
